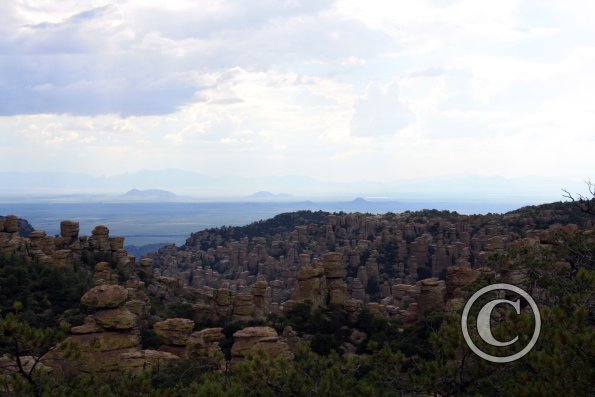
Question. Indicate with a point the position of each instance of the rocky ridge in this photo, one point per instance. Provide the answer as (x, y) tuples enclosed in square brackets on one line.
[(395, 265)]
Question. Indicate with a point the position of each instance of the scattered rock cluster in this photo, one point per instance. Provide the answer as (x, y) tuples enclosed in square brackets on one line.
[(353, 260), (109, 341), (395, 265), (61, 250)]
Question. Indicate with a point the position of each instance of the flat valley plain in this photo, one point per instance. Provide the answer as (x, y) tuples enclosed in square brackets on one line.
[(143, 223)]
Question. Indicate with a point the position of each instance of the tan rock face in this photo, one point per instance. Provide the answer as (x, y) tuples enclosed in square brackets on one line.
[(62, 257), (246, 339), (105, 296), (333, 265), (69, 229), (174, 331), (222, 297), (105, 341), (431, 296), (11, 224), (337, 292), (308, 272), (145, 267), (116, 243), (146, 360), (63, 250), (252, 332), (311, 286), (35, 235), (204, 343), (457, 277), (116, 319), (136, 306), (100, 353), (100, 230), (243, 307), (274, 346), (90, 326), (353, 305), (259, 288)]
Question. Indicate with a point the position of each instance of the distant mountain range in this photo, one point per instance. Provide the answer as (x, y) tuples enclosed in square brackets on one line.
[(264, 195), (149, 194), (187, 183)]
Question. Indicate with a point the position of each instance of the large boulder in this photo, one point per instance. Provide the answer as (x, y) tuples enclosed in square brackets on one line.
[(117, 319), (146, 360), (62, 258), (99, 353), (245, 339), (89, 327), (273, 346), (11, 224), (116, 243), (204, 343), (457, 277), (310, 286), (69, 229), (431, 296), (105, 296), (105, 341), (333, 265), (174, 331), (100, 230), (243, 306), (222, 297)]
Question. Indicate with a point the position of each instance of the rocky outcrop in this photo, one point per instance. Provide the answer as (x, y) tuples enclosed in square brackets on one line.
[(311, 286), (116, 319), (69, 229), (173, 331), (23, 228), (17, 238), (431, 296), (108, 343), (243, 307), (104, 296), (332, 259), (205, 344), (248, 340), (334, 271)]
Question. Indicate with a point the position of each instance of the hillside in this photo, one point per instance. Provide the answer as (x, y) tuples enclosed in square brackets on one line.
[(149, 194), (376, 251), (305, 304)]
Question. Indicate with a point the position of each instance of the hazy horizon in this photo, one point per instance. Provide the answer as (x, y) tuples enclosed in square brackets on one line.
[(183, 185)]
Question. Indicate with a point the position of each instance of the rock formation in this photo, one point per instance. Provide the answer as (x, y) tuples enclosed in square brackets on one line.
[(108, 343), (248, 340)]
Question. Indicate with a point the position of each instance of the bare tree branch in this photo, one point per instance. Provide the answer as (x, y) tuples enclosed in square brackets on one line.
[(584, 203)]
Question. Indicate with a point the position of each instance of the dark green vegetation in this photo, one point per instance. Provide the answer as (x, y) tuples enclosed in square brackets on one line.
[(42, 295), (429, 358), (283, 223)]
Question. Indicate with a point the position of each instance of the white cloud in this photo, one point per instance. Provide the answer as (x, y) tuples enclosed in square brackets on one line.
[(341, 90), (380, 112)]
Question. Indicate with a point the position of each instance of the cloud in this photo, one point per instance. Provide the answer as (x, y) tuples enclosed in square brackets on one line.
[(429, 72), (333, 89), (132, 59), (380, 112)]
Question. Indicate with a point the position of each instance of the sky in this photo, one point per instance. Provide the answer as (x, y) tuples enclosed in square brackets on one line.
[(337, 90)]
